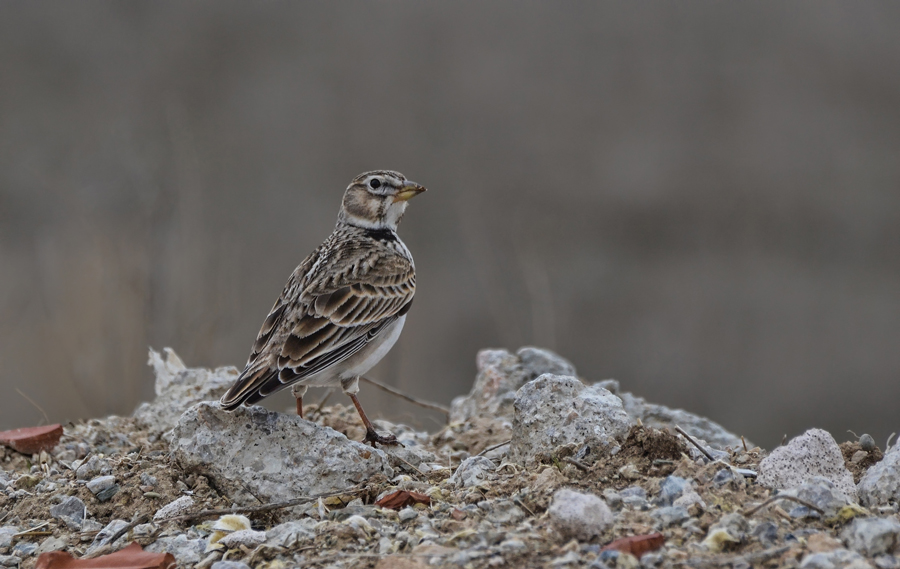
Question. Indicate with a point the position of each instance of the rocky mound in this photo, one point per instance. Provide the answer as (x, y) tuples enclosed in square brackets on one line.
[(536, 468)]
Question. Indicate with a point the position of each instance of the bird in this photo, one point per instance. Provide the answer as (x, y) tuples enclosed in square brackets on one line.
[(343, 307)]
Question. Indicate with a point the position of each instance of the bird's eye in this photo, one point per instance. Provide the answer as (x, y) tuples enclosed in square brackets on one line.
[(374, 183)]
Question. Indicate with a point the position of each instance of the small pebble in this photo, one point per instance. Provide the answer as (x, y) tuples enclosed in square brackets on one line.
[(867, 443), (101, 483)]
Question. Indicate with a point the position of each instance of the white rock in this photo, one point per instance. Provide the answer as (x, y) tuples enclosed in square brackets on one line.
[(177, 507), (247, 537), (555, 410), (178, 387), (814, 453), (579, 516), (837, 559), (473, 471), (881, 483), (102, 538), (500, 375), (289, 534), (255, 454), (185, 550), (229, 565), (873, 536)]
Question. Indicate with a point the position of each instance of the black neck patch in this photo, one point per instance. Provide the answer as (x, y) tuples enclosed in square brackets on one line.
[(383, 234)]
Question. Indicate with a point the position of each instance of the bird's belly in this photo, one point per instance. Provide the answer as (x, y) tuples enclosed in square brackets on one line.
[(360, 362), (365, 359)]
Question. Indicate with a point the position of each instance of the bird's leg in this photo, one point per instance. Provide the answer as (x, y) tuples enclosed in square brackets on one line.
[(298, 391), (351, 388)]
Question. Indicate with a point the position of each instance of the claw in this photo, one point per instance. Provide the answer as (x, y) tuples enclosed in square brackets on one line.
[(373, 437)]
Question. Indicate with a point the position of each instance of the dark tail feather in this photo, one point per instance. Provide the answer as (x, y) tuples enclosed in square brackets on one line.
[(249, 388)]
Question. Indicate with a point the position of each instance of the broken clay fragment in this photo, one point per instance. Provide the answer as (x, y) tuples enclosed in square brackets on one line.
[(131, 557), (402, 498), (637, 545), (32, 440)]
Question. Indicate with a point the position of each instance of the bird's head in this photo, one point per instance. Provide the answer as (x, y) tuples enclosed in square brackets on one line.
[(377, 199)]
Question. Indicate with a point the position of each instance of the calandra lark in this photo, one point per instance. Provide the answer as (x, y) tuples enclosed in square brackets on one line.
[(343, 307)]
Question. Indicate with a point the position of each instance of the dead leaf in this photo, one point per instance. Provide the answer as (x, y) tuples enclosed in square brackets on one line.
[(131, 557), (637, 545), (401, 499), (32, 440)]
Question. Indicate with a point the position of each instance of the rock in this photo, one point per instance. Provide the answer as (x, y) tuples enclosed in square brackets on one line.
[(866, 442), (254, 454), (822, 543), (6, 535), (473, 471), (229, 565), (766, 533), (688, 499), (672, 488), (71, 511), (735, 525), (814, 453), (94, 466), (185, 550), (660, 416), (579, 516), (246, 537), (102, 538), (290, 534), (555, 410), (500, 375), (837, 559), (505, 512), (107, 493), (9, 561), (819, 492), (177, 507), (872, 536), (100, 483), (178, 387), (670, 515), (880, 485), (51, 543)]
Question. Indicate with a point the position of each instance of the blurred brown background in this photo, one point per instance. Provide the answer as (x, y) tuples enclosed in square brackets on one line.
[(701, 200)]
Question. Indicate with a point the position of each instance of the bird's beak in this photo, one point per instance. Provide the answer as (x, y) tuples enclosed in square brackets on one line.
[(409, 190)]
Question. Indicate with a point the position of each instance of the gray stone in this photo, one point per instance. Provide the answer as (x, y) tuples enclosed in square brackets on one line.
[(102, 538), (814, 453), (229, 565), (70, 511), (254, 454), (670, 515), (505, 512), (660, 416), (100, 483), (555, 410), (107, 493), (819, 492), (24, 549), (500, 375), (579, 516), (6, 535), (51, 543), (837, 559), (178, 387), (9, 561), (671, 488), (880, 485), (473, 471), (872, 536), (93, 467), (185, 550)]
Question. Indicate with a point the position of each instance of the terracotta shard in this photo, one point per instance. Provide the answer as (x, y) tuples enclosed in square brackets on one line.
[(401, 499), (131, 557), (637, 545), (32, 440)]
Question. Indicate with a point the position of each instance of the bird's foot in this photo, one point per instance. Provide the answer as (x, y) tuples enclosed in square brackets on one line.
[(373, 437)]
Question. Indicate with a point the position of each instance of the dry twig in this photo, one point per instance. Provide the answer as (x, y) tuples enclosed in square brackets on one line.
[(401, 395), (489, 449), (695, 443), (777, 497), (258, 509), (577, 463)]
